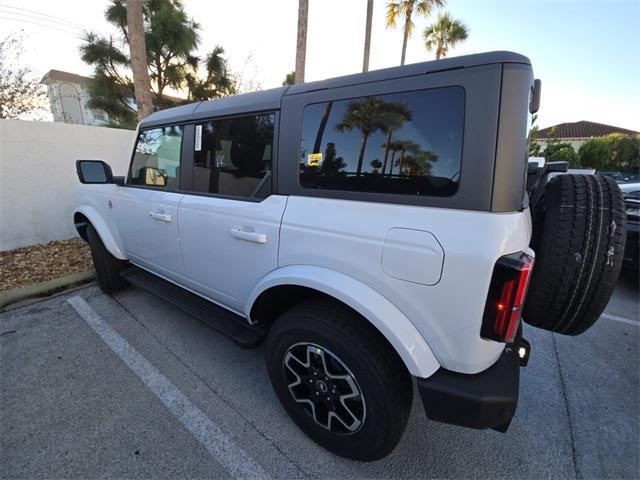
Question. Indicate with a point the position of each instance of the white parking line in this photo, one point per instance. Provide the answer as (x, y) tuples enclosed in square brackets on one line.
[(237, 463), (628, 321)]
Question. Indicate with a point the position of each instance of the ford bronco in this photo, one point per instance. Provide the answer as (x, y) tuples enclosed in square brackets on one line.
[(377, 232)]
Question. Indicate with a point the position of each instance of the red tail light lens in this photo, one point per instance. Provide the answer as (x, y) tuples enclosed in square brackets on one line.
[(506, 297)]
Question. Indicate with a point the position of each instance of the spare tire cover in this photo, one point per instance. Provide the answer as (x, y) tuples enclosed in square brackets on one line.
[(578, 237)]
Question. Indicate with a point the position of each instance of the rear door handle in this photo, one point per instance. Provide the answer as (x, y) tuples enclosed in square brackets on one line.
[(160, 216), (250, 236)]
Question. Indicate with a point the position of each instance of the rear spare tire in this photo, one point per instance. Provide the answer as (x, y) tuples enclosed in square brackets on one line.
[(578, 237)]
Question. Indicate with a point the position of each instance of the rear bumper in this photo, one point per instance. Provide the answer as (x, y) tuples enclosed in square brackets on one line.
[(485, 400)]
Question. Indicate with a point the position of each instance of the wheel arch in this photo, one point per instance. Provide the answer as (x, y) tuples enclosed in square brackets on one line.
[(85, 215), (282, 288)]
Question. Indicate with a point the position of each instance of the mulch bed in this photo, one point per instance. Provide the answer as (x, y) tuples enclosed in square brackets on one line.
[(39, 263)]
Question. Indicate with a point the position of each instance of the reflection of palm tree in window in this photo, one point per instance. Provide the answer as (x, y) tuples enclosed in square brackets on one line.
[(375, 164), (396, 114), (404, 147), (368, 115), (331, 165), (394, 147), (418, 164), (413, 160), (323, 125)]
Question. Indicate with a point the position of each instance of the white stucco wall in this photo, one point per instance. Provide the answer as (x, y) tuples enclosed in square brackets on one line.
[(576, 143), (38, 176)]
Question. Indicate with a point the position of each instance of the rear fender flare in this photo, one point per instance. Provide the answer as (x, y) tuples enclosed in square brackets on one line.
[(378, 310), (109, 240)]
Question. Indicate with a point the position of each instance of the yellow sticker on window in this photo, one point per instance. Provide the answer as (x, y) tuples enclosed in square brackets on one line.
[(314, 159)]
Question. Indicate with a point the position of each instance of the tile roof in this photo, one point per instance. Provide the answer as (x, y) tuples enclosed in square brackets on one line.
[(582, 129), (63, 77)]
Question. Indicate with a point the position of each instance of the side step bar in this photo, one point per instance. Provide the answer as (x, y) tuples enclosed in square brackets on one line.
[(225, 322)]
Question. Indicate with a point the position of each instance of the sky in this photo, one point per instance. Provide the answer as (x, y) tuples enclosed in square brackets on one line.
[(587, 53)]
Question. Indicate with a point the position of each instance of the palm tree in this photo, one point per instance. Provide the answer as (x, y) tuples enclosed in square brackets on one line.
[(444, 33), (290, 79), (366, 115), (406, 9), (219, 81), (138, 50), (367, 36), (301, 43)]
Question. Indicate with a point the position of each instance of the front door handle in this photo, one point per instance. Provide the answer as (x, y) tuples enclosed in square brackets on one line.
[(160, 216), (248, 235)]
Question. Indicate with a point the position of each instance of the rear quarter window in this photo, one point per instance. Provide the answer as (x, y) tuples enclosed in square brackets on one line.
[(407, 143)]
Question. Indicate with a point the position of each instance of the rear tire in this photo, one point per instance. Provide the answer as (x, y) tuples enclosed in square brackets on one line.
[(378, 396), (578, 237), (107, 266)]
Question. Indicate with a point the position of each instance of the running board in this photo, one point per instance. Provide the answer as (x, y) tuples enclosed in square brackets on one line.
[(225, 322)]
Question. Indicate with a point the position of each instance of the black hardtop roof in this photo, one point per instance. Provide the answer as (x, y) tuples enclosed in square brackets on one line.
[(270, 99)]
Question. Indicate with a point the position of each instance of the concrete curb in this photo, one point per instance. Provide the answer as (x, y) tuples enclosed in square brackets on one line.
[(45, 288)]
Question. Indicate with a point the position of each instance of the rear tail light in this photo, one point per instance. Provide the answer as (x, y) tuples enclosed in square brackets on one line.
[(506, 297)]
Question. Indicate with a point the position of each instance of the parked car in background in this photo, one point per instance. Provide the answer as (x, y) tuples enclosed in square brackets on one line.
[(631, 194), (622, 177)]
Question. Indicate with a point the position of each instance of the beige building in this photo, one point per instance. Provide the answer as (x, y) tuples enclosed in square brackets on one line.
[(68, 97), (577, 133)]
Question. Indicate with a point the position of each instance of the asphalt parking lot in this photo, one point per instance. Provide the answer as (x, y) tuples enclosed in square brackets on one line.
[(128, 386)]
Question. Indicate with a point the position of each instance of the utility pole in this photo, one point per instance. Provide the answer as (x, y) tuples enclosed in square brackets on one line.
[(138, 53)]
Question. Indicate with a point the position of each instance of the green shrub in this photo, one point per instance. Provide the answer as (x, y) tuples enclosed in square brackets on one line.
[(556, 152), (615, 152)]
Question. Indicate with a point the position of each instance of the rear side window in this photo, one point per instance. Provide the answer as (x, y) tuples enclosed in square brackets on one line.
[(156, 161), (233, 156), (406, 143)]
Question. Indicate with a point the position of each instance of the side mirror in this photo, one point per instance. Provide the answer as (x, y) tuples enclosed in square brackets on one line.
[(536, 92), (154, 177), (94, 171)]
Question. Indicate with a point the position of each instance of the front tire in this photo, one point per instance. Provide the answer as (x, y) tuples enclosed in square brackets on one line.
[(339, 379), (107, 266)]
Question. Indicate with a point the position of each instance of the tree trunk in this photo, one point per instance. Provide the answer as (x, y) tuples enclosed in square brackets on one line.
[(407, 23), (393, 156), (323, 124), (363, 144), (301, 44), (401, 161), (386, 151), (138, 52), (367, 36)]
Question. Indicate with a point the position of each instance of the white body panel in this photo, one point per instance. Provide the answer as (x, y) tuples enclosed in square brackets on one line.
[(383, 314), (348, 237), (147, 221), (93, 203), (229, 245), (419, 275)]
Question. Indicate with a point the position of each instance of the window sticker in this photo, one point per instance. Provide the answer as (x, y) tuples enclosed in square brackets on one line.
[(314, 159), (198, 142)]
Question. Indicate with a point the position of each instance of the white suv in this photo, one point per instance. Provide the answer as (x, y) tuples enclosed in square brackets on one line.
[(370, 228)]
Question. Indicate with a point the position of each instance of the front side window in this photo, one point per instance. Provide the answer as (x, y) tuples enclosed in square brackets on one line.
[(233, 155), (156, 161), (406, 143)]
